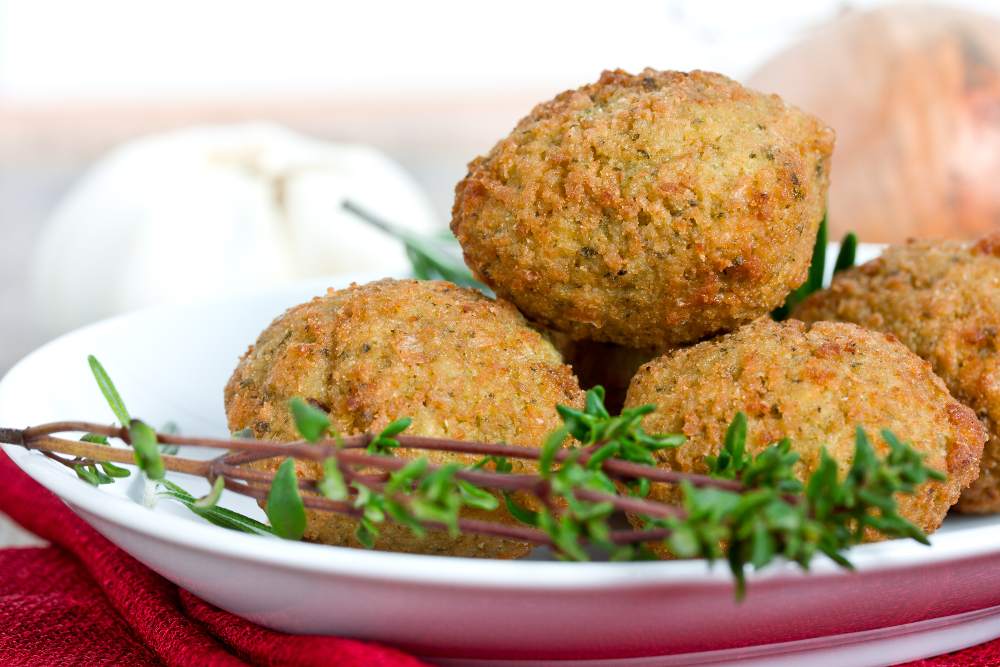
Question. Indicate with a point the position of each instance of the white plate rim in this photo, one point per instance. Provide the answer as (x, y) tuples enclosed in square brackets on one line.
[(965, 543)]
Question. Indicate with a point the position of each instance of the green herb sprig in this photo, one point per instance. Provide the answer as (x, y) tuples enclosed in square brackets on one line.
[(142, 436), (427, 256), (776, 515), (219, 516), (431, 262), (772, 514), (817, 269), (751, 508)]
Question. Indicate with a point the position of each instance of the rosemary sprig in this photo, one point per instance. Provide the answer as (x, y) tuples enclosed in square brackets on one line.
[(750, 509), (847, 256), (429, 260), (220, 516), (817, 269)]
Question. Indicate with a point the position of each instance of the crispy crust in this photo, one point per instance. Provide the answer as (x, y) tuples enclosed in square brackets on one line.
[(648, 210), (942, 300), (461, 365), (814, 385)]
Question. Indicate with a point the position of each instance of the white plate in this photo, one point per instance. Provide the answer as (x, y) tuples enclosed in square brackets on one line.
[(905, 601)]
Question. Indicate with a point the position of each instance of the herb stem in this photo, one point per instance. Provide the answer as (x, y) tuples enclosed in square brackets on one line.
[(577, 500), (254, 483), (12, 436), (634, 536), (478, 526), (317, 451), (480, 478), (630, 504), (96, 452)]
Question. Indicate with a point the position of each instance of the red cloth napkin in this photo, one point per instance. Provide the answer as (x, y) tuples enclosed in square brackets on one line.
[(83, 601)]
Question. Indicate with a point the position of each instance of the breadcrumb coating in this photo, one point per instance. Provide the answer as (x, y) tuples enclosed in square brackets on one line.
[(815, 385), (648, 210), (459, 364), (942, 300)]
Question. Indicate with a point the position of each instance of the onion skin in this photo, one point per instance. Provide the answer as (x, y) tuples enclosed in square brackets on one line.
[(913, 93)]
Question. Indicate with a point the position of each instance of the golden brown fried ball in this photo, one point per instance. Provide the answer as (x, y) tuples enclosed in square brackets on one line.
[(942, 300), (460, 364), (814, 385), (648, 210)]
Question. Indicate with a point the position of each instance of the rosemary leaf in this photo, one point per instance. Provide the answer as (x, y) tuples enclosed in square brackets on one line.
[(477, 498), (87, 474), (385, 441), (814, 280), (219, 516), (522, 514), (428, 260), (211, 499), (848, 253), (114, 471), (332, 485)]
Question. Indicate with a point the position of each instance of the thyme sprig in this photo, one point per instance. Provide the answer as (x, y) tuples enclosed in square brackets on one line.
[(751, 509), (817, 269), (776, 515)]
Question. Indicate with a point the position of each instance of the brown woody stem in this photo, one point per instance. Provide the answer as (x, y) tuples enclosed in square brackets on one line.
[(255, 483), (96, 452), (320, 450)]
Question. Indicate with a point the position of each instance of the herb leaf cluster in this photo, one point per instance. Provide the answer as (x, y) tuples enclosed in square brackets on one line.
[(751, 508), (776, 515)]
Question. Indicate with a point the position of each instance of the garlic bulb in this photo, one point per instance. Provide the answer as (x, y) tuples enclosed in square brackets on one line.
[(209, 211)]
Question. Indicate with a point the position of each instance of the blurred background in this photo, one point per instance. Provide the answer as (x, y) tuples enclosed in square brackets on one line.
[(154, 152)]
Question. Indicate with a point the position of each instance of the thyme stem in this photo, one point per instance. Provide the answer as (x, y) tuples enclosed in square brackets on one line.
[(254, 483), (325, 448), (11, 436), (96, 452)]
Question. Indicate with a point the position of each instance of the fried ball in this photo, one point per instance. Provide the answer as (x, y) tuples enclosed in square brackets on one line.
[(458, 363), (648, 210), (942, 300), (814, 385)]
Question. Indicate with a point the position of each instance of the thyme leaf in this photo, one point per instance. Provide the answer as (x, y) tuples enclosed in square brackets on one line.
[(285, 509), (109, 390)]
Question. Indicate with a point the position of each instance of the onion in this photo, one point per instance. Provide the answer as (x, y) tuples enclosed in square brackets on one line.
[(913, 93)]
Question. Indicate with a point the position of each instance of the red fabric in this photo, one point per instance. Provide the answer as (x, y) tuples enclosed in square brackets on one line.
[(83, 601)]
